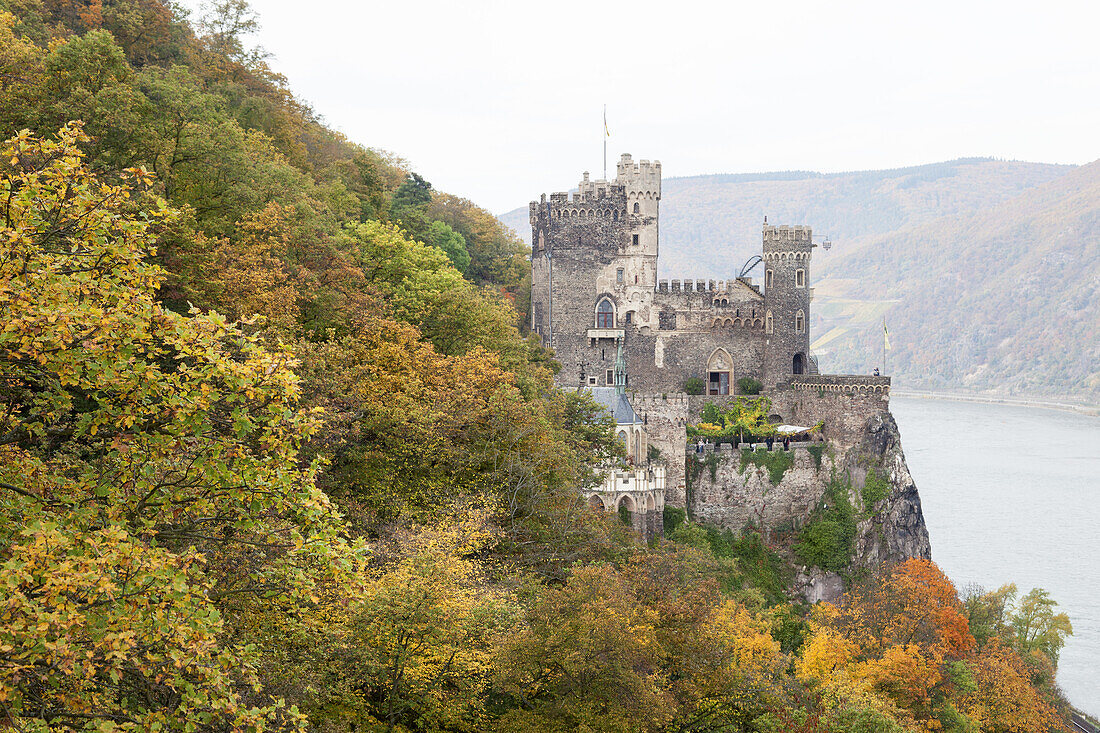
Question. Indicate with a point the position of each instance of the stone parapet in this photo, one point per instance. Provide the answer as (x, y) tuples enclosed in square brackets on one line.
[(850, 383)]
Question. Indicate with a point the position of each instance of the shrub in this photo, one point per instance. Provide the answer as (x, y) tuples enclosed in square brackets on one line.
[(694, 386), (673, 518), (748, 385), (777, 462), (654, 453), (815, 452), (875, 489), (827, 540)]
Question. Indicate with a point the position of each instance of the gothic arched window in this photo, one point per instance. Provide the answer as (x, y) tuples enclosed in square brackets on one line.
[(637, 208), (605, 314), (799, 322), (768, 327)]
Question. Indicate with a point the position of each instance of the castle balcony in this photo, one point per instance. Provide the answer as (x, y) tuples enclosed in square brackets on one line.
[(606, 333), (863, 384)]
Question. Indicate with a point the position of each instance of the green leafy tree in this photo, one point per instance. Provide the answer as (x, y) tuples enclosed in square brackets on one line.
[(1037, 627), (451, 242), (409, 205)]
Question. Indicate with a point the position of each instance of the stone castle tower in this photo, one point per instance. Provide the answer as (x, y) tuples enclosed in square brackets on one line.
[(787, 296), (595, 292), (598, 248)]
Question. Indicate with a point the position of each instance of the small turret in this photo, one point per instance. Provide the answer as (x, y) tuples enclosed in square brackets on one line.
[(620, 368)]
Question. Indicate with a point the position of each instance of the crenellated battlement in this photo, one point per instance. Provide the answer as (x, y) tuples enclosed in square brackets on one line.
[(659, 402), (643, 170), (597, 200), (788, 235), (704, 285), (635, 190)]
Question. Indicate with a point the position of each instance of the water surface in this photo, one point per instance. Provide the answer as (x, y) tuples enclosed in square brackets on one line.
[(1012, 494)]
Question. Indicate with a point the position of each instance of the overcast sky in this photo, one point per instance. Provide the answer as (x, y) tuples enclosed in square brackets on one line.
[(501, 101)]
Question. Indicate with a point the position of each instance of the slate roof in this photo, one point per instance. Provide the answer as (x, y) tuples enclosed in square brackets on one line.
[(617, 405)]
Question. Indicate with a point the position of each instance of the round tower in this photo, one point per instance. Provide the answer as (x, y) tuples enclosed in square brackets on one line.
[(787, 294)]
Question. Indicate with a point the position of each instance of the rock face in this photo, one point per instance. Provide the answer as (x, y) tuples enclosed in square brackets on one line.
[(897, 532), (724, 490)]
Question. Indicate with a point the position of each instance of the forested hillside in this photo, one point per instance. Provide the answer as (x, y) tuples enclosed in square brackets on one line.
[(274, 454), (967, 260), (1005, 299)]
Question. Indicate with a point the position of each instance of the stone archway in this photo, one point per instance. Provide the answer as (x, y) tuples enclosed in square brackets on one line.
[(719, 372), (626, 510)]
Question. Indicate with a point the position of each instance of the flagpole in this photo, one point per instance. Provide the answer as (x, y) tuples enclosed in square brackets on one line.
[(604, 136), (884, 346)]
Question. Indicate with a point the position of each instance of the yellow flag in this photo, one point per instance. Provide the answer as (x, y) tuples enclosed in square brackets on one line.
[(606, 131)]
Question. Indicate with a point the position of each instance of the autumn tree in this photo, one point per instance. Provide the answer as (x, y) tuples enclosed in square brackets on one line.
[(585, 659), (150, 473)]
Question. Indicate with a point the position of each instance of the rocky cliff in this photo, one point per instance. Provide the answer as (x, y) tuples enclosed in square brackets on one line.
[(833, 507)]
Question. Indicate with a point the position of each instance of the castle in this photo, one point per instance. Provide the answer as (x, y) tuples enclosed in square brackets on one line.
[(594, 289), (617, 329)]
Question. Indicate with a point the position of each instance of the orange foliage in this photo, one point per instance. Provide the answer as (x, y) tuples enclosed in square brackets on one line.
[(890, 636), (915, 603)]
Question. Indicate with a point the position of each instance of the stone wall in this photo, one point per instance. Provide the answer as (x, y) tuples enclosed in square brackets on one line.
[(738, 496), (844, 402), (664, 361)]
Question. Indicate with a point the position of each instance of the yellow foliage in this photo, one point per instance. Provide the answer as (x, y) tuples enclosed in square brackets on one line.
[(825, 653)]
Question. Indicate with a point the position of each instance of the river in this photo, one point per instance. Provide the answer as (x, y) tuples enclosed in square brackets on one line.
[(1012, 494)]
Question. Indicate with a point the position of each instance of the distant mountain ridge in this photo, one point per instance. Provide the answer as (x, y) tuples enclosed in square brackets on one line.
[(1003, 300), (950, 213)]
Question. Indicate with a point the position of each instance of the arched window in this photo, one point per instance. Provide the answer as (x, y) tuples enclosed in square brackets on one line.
[(767, 279), (605, 314), (799, 322), (637, 208), (768, 327), (800, 278), (615, 215)]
